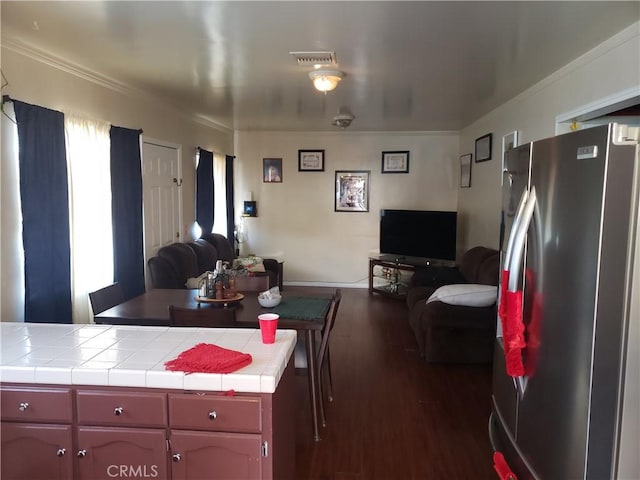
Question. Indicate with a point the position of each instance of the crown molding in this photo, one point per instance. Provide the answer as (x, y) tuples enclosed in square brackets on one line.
[(102, 80)]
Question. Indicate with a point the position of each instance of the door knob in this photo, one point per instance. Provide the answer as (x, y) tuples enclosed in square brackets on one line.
[(81, 453), (176, 457), (61, 452)]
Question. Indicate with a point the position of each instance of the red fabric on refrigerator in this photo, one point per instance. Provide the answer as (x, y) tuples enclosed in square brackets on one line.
[(501, 467), (513, 334), (502, 308), (510, 313)]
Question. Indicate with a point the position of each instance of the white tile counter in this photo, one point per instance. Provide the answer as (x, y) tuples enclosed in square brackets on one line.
[(130, 356)]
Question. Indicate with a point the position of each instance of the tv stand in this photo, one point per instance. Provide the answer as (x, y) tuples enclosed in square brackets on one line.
[(390, 274)]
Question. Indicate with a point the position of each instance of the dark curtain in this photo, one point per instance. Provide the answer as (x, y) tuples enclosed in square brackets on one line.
[(45, 214), (126, 205), (229, 197), (204, 191)]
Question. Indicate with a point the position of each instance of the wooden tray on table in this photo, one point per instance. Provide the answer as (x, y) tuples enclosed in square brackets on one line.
[(221, 301)]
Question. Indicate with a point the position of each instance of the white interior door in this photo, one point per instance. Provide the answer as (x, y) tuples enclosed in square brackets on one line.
[(162, 196)]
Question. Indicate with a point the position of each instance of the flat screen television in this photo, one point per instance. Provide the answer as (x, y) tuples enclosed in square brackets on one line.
[(418, 233)]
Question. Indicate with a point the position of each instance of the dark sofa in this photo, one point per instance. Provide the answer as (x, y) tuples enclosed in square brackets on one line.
[(174, 264), (454, 333)]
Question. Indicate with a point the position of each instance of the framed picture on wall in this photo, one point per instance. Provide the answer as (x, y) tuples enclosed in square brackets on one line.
[(311, 160), (272, 170), (352, 191), (395, 162), (483, 148), (465, 170)]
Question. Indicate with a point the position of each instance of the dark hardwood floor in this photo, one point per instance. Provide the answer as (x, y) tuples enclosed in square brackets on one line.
[(393, 415)]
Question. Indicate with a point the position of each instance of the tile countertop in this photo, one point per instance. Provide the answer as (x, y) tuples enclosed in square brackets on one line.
[(131, 356)]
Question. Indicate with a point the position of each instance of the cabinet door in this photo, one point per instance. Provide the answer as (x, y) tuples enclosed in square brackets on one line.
[(223, 456), (106, 453), (34, 451)]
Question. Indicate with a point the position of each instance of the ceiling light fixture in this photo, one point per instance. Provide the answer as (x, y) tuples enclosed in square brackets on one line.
[(326, 80)]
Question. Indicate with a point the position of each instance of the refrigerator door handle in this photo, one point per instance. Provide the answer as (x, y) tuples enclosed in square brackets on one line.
[(504, 275), (514, 228), (519, 241), (512, 322)]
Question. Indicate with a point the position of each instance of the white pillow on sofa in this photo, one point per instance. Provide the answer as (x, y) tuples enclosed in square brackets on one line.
[(194, 282), (466, 294)]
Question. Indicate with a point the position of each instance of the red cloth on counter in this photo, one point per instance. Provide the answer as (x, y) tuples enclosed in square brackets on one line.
[(208, 358)]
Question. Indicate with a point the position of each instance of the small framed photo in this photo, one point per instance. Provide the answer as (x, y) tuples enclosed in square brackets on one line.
[(465, 170), (352, 191), (483, 148), (311, 160), (395, 162), (272, 170), (509, 141)]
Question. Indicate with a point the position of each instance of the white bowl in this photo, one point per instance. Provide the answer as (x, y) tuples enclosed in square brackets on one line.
[(269, 302)]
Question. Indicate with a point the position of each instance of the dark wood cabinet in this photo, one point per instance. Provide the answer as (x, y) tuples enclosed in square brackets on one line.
[(215, 455), (36, 433), (111, 452), (32, 451), (76, 432)]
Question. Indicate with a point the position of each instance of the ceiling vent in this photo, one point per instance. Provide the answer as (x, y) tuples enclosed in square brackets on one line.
[(315, 58)]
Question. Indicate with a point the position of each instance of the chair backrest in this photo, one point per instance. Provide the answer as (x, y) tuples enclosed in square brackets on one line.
[(106, 297), (202, 317), (331, 320), (257, 283)]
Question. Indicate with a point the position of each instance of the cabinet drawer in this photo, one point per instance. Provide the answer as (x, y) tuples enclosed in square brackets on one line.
[(97, 407), (36, 404), (215, 413)]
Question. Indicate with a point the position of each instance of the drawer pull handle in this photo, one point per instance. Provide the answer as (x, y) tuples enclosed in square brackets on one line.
[(118, 411), (213, 415), (176, 457), (24, 406), (82, 453), (61, 452)]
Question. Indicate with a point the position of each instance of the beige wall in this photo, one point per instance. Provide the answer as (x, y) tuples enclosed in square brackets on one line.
[(39, 83), (612, 67), (296, 218)]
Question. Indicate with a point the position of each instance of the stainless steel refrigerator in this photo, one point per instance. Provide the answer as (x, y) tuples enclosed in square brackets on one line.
[(566, 365)]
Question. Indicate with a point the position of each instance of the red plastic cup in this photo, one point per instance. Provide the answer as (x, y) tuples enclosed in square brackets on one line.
[(268, 324)]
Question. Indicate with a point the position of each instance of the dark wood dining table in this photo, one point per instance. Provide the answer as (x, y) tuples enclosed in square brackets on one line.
[(152, 309)]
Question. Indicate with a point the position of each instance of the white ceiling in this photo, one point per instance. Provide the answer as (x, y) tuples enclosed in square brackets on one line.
[(409, 66)]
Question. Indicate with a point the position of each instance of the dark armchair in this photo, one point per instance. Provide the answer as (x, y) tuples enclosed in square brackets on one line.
[(456, 333)]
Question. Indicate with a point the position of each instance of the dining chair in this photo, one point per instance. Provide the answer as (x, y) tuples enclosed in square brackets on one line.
[(105, 298), (202, 317), (324, 364), (259, 283)]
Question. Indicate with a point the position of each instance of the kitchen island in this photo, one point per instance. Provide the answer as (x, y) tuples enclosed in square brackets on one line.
[(95, 401)]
